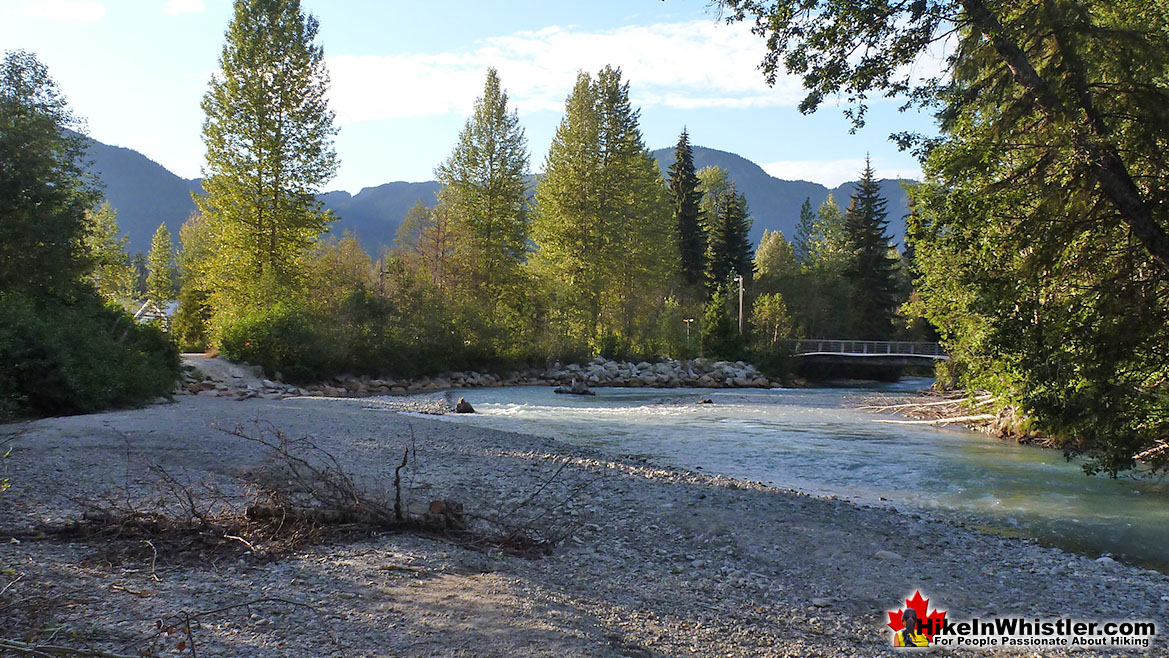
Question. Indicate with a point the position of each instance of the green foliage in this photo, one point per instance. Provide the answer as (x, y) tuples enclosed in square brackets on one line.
[(63, 351), (160, 266), (285, 337), (870, 268), (607, 244), (268, 133), (720, 337), (686, 199), (78, 357), (1036, 271), (484, 192), (770, 322), (775, 257), (112, 275), (830, 246), (45, 192), (192, 318), (805, 236), (728, 251)]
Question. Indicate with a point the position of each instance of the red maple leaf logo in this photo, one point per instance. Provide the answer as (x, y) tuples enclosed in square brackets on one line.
[(932, 621)]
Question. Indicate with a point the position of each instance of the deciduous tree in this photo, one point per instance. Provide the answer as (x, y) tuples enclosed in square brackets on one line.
[(607, 244), (484, 191), (269, 138)]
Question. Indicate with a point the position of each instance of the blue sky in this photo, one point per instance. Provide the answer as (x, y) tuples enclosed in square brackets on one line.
[(405, 75)]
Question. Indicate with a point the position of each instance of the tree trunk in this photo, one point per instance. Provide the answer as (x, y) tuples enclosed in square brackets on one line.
[(1096, 147)]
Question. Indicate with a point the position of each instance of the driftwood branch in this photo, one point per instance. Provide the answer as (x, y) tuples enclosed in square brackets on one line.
[(975, 402), (942, 421), (52, 650)]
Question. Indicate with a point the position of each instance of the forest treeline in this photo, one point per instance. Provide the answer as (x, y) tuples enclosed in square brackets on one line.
[(1037, 245), (604, 256)]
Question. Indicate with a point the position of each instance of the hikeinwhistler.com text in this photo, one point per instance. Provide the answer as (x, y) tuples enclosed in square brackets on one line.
[(1063, 632)]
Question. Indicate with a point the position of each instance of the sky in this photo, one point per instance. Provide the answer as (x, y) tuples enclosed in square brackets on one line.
[(406, 74)]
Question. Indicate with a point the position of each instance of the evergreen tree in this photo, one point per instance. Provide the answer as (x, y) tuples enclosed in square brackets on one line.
[(645, 240), (269, 138), (160, 267), (728, 252), (686, 198), (193, 315), (831, 244), (869, 267), (720, 337), (484, 190), (112, 275), (807, 232), (45, 191)]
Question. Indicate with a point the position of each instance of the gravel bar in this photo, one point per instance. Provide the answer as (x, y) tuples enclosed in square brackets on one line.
[(660, 561)]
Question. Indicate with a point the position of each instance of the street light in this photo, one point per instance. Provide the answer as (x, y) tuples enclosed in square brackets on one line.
[(688, 321), (739, 279)]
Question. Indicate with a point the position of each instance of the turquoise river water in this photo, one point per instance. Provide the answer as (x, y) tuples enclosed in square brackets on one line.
[(818, 441)]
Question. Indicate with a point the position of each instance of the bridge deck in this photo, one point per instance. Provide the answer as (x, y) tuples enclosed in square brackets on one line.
[(867, 348)]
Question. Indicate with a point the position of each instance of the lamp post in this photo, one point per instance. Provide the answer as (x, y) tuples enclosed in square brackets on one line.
[(739, 279), (688, 321)]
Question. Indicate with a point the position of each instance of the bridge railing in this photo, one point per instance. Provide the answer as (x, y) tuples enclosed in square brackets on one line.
[(891, 348)]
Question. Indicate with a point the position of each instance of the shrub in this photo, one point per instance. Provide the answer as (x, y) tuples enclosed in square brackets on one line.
[(282, 337), (78, 356)]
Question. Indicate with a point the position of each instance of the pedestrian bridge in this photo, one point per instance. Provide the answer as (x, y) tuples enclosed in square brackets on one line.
[(879, 351)]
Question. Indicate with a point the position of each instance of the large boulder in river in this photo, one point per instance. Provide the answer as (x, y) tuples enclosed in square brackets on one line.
[(464, 407)]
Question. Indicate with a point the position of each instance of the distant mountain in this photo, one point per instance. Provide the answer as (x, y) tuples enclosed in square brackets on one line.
[(374, 213), (144, 193), (775, 203)]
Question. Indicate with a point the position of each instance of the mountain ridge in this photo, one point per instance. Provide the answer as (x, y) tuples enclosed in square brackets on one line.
[(145, 194)]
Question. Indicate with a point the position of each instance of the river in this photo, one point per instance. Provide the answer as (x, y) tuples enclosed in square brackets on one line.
[(817, 441)]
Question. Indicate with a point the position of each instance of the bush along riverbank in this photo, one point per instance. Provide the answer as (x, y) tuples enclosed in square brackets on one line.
[(217, 378)]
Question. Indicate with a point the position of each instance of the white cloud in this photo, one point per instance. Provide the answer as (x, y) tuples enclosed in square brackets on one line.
[(831, 173), (81, 11), (184, 7), (695, 64)]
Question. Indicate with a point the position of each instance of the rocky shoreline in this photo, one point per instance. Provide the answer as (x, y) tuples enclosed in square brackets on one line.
[(206, 378)]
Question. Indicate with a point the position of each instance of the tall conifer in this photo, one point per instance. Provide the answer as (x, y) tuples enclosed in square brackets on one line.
[(686, 197), (869, 267), (804, 240), (729, 250)]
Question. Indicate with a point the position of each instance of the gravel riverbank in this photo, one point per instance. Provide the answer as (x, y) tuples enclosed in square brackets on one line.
[(660, 562)]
